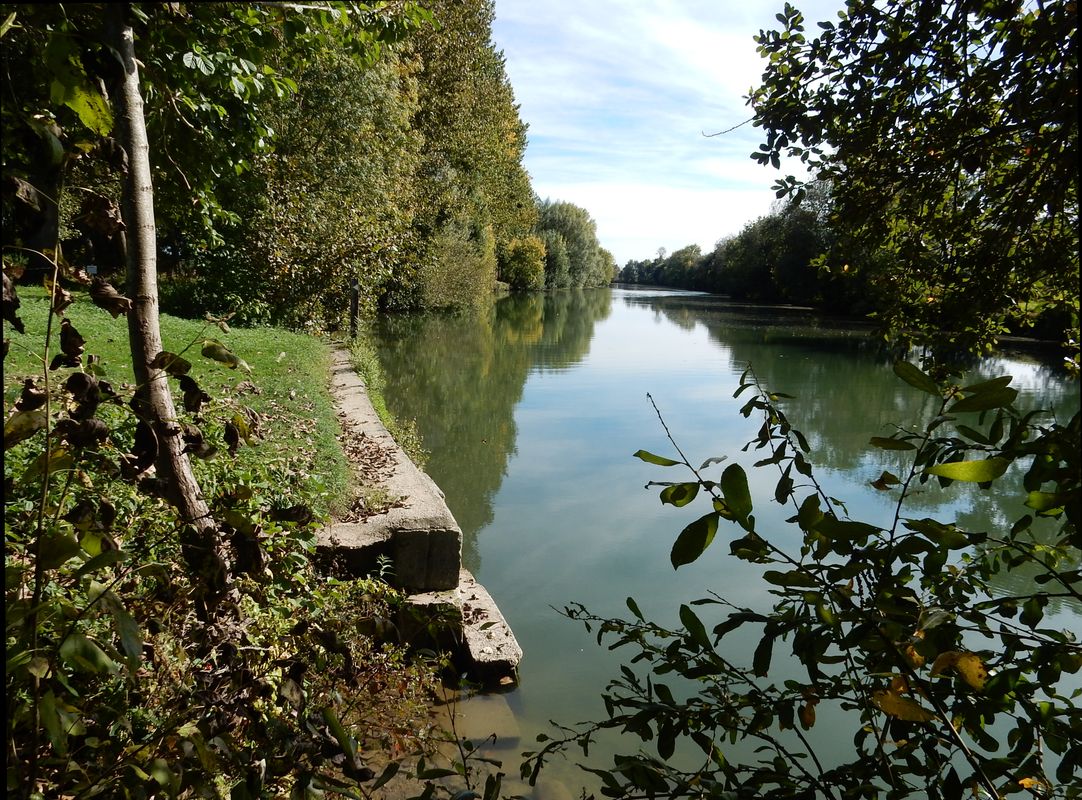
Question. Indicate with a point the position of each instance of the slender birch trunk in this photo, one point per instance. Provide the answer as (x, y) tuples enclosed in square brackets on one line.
[(203, 550)]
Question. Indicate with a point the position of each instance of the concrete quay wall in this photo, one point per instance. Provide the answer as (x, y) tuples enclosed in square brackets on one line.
[(423, 544)]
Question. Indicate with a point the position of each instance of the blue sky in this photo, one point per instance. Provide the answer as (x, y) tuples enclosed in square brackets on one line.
[(618, 94)]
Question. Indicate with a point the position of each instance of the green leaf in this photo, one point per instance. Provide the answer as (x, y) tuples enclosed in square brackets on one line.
[(106, 559), (679, 494), (131, 635), (1033, 611), (1000, 397), (388, 772), (834, 528), (971, 471), (984, 386), (761, 659), (1047, 504), (344, 739), (661, 461), (85, 654), (915, 378), (891, 444), (92, 108), (945, 535), (794, 577), (885, 481), (50, 719), (694, 627), (634, 608), (694, 539), (57, 548), (734, 486), (973, 435), (809, 514), (750, 548)]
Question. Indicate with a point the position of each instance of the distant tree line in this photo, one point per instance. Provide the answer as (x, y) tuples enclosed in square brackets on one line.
[(799, 254), (778, 258)]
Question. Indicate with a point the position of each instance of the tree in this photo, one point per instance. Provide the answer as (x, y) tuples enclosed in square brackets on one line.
[(557, 261), (948, 131), (77, 680), (523, 264), (579, 233), (144, 333), (473, 194), (329, 204)]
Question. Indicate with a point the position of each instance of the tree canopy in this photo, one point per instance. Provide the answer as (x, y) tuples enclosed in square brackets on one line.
[(948, 130)]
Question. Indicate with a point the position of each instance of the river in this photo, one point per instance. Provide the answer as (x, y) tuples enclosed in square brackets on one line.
[(532, 411)]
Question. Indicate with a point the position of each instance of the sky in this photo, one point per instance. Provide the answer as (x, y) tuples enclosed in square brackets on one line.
[(618, 95)]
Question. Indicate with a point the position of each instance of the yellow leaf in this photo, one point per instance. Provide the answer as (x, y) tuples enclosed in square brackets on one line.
[(915, 659), (893, 704), (1031, 783), (968, 665), (944, 661), (22, 425), (972, 670)]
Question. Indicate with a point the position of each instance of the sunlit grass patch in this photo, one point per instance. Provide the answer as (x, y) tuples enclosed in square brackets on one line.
[(287, 386)]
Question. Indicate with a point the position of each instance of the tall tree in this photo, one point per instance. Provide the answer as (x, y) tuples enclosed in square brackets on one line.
[(948, 129), (474, 195), (588, 267)]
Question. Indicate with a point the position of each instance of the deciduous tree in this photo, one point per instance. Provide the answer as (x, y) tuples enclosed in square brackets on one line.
[(948, 130)]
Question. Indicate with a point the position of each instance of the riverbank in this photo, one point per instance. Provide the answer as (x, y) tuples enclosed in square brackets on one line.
[(414, 541)]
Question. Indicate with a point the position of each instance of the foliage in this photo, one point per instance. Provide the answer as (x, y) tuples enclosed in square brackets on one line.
[(949, 133), (208, 77), (523, 263), (944, 685), (587, 262), (557, 261), (166, 634), (268, 206), (778, 258), (328, 206), (117, 682), (473, 195)]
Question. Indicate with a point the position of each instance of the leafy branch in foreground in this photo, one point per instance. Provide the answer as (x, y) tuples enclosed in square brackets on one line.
[(895, 630)]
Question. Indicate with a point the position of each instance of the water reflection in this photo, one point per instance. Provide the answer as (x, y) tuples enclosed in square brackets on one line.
[(461, 376), (533, 409)]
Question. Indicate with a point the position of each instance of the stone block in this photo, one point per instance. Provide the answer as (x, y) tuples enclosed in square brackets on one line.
[(427, 559), (491, 650), (353, 550)]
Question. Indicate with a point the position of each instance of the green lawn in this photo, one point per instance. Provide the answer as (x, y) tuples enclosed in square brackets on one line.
[(287, 386)]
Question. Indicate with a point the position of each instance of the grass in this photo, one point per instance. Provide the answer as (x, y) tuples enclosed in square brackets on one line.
[(287, 386)]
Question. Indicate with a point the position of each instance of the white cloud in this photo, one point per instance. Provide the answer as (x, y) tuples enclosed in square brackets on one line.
[(618, 95)]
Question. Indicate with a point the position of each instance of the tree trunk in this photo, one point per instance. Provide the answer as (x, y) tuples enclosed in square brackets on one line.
[(202, 547)]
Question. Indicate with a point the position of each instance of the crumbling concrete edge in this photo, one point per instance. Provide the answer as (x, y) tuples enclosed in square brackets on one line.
[(423, 543)]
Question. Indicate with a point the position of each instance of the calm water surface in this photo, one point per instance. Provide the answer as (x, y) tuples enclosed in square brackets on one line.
[(533, 409)]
